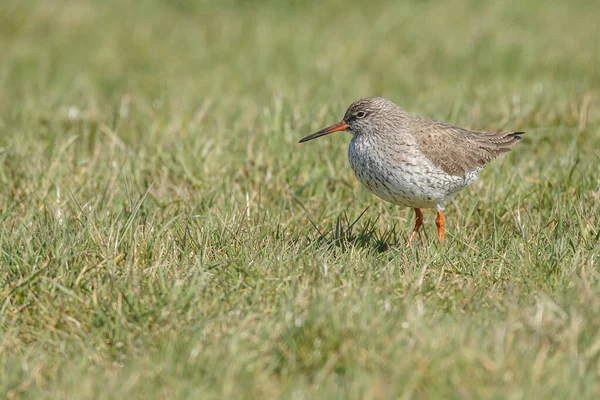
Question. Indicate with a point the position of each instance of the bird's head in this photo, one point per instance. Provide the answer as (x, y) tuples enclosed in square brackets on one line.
[(363, 117)]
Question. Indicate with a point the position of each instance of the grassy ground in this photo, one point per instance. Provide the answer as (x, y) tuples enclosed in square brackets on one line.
[(163, 235)]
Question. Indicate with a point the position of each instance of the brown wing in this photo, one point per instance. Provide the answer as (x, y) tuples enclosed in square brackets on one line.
[(457, 150)]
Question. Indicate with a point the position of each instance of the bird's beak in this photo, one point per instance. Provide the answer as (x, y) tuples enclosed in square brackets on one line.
[(340, 126)]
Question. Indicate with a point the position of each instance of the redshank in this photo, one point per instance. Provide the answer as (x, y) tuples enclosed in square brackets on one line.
[(414, 161)]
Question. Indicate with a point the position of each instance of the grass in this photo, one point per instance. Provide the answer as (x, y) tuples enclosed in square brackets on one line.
[(163, 235)]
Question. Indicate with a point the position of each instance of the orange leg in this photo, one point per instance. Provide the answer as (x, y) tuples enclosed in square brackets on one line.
[(439, 222), (418, 224)]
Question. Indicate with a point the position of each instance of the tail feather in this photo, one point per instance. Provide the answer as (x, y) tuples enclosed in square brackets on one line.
[(517, 135)]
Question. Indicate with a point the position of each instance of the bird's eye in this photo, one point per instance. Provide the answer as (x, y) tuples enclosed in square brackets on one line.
[(361, 114)]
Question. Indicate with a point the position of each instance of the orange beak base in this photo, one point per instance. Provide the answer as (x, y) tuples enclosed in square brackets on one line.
[(340, 126)]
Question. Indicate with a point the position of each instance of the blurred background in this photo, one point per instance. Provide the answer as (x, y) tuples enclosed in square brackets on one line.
[(162, 233), (443, 59), (214, 75)]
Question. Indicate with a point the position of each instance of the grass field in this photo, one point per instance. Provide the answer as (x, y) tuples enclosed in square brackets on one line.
[(163, 234)]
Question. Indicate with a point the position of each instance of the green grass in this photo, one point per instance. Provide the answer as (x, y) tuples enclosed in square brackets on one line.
[(163, 235)]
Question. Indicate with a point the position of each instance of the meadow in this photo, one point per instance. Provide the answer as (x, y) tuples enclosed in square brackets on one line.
[(163, 235)]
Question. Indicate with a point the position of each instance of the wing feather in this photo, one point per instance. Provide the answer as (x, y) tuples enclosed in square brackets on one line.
[(458, 151)]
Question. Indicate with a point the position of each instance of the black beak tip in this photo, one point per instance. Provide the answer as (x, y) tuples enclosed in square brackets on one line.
[(309, 137)]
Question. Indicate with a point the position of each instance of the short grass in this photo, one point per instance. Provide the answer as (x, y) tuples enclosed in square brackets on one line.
[(163, 235)]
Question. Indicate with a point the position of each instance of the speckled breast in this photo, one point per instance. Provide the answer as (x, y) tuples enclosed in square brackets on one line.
[(403, 176)]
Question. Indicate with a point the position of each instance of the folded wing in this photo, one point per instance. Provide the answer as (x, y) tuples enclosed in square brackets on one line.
[(457, 150)]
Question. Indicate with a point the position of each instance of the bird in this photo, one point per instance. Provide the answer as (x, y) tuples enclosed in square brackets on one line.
[(414, 161)]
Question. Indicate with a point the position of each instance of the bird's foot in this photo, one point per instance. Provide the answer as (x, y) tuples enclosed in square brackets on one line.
[(439, 222), (418, 224)]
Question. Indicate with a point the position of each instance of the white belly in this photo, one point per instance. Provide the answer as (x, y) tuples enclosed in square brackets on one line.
[(405, 181)]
